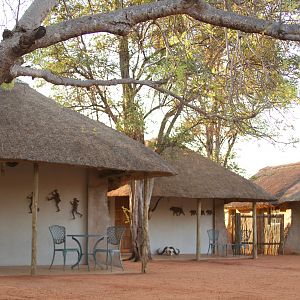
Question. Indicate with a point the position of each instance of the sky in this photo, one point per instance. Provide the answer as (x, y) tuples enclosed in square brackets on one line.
[(252, 154)]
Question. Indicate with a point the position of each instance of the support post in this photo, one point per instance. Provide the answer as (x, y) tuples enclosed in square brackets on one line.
[(34, 218), (145, 227), (198, 238), (214, 221), (254, 223)]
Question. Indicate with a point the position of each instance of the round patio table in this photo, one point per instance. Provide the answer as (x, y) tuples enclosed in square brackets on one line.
[(76, 238)]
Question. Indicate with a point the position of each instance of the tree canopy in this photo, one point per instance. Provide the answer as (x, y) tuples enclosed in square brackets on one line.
[(212, 65), (212, 84)]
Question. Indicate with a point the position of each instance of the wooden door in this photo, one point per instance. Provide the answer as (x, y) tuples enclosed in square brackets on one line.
[(122, 220)]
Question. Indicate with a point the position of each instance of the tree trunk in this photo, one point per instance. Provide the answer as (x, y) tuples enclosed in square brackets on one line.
[(132, 123), (136, 199), (145, 244), (136, 196)]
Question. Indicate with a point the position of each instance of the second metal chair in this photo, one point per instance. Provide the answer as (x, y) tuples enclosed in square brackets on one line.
[(114, 237)]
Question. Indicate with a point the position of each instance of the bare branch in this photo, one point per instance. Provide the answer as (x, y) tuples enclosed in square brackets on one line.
[(36, 13), (17, 70)]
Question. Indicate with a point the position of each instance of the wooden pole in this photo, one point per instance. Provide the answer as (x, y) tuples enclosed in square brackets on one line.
[(254, 251), (145, 227), (34, 217), (198, 238), (214, 221)]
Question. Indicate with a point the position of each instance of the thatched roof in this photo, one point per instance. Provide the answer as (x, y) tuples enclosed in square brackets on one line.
[(36, 128), (247, 206), (282, 181), (199, 177)]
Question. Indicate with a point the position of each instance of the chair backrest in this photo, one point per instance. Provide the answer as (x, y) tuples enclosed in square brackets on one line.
[(213, 235), (115, 234), (58, 234)]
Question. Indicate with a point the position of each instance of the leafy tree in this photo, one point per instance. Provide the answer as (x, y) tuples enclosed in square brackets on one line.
[(226, 79), (179, 87)]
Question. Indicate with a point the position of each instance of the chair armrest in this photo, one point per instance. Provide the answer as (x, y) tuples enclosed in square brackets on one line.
[(102, 238)]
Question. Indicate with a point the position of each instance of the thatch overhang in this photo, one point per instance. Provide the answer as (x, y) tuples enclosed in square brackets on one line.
[(37, 129), (282, 181), (247, 206), (200, 178)]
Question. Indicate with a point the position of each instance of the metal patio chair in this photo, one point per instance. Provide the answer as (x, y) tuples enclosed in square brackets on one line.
[(114, 235), (58, 234), (213, 236)]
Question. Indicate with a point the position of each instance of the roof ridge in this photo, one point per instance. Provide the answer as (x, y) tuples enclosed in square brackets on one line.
[(280, 166)]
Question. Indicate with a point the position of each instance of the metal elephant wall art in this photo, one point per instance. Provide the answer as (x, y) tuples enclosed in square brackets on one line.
[(177, 211)]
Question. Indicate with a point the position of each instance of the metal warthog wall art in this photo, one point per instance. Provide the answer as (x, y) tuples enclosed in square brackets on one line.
[(193, 212)]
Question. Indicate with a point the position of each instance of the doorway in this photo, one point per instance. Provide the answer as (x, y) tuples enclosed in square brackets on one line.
[(122, 219)]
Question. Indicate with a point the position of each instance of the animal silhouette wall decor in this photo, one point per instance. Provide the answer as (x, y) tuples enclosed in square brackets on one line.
[(177, 211), (74, 210), (30, 197), (193, 212), (54, 195)]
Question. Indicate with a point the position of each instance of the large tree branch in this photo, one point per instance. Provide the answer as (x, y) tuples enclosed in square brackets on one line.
[(121, 22), (36, 13)]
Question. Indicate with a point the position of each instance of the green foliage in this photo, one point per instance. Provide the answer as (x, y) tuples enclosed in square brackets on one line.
[(7, 86), (133, 123), (222, 72)]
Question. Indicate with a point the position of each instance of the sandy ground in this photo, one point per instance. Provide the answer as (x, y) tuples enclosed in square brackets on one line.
[(264, 278)]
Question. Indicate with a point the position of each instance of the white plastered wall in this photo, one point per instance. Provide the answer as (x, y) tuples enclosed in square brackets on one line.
[(292, 243), (179, 231), (111, 208), (15, 221)]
